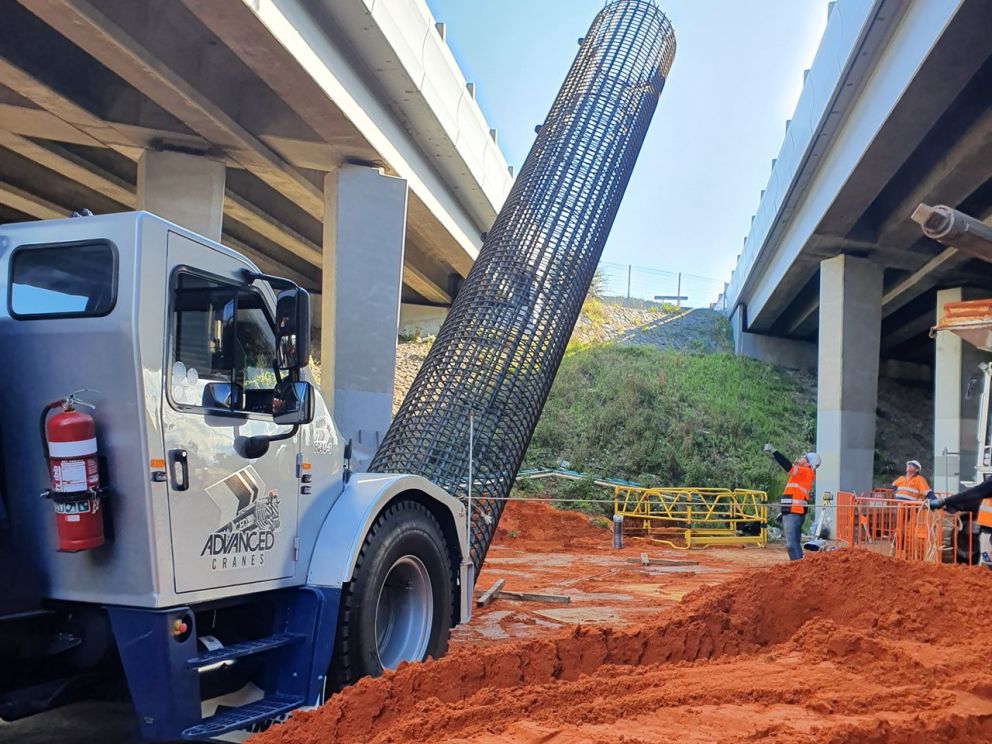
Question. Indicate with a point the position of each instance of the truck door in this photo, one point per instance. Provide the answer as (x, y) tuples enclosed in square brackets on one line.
[(233, 519)]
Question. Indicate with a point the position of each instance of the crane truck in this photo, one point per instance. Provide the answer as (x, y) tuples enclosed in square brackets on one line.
[(184, 519)]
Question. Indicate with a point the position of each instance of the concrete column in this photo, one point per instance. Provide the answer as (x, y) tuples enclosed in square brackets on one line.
[(955, 419), (185, 189), (364, 232), (847, 385)]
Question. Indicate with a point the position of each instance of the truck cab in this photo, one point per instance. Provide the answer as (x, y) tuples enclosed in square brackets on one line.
[(238, 543)]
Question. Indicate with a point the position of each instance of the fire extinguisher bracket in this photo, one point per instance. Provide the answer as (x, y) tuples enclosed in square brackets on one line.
[(63, 498)]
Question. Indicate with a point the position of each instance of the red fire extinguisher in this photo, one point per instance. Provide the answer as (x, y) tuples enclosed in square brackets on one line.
[(69, 442)]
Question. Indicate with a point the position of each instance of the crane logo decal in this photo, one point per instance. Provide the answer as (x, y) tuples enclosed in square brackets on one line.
[(248, 521)]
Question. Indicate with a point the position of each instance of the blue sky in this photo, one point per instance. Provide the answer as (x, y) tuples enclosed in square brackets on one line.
[(737, 76)]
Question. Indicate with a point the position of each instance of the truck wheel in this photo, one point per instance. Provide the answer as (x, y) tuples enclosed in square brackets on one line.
[(398, 605)]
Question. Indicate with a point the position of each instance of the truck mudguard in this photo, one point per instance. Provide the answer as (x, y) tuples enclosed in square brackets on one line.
[(335, 552)]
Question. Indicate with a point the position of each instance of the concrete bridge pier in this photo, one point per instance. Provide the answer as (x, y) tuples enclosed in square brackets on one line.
[(185, 189), (362, 278), (847, 389)]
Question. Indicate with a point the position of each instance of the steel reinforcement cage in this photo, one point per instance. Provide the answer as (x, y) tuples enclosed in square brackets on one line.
[(684, 518), (497, 353)]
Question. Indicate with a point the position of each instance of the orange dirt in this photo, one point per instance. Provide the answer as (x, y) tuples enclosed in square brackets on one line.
[(551, 551), (542, 527), (843, 647)]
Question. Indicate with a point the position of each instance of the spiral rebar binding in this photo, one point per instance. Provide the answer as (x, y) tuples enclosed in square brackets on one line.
[(498, 351)]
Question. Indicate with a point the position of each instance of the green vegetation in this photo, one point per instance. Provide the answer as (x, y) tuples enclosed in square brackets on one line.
[(414, 338), (595, 312), (670, 418)]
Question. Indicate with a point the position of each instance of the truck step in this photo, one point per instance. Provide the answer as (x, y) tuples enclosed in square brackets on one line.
[(232, 719), (246, 648)]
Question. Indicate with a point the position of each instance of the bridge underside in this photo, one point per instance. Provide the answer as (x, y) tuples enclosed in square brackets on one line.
[(87, 88), (335, 143), (950, 163)]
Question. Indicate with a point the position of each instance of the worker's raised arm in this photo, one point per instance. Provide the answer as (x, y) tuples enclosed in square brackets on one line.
[(966, 499), (781, 459)]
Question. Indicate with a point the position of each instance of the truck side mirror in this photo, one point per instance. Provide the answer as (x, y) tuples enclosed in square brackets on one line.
[(292, 403), (293, 328), (221, 395)]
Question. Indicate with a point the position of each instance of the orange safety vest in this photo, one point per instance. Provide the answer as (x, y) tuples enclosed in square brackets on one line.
[(911, 488), (985, 513), (797, 490)]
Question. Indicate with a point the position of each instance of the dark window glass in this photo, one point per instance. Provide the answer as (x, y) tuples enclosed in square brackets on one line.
[(63, 280), (223, 347)]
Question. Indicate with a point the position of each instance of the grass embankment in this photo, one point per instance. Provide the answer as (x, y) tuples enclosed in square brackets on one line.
[(669, 418)]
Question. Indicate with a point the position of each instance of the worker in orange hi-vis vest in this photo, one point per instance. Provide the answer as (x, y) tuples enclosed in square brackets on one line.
[(980, 495), (912, 486), (795, 496), (911, 489)]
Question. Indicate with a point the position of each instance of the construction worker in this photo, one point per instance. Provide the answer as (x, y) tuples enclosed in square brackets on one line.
[(912, 486), (795, 496), (981, 496)]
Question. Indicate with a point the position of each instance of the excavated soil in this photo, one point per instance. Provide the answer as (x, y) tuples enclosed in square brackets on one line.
[(840, 648), (550, 551), (537, 525)]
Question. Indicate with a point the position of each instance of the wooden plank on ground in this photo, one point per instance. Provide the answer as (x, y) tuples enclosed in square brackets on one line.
[(529, 597), (662, 561), (490, 594)]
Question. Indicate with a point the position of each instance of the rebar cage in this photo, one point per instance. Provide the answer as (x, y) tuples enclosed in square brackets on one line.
[(684, 518), (497, 353)]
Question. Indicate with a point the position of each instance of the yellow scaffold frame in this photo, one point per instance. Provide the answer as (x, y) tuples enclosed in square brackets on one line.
[(685, 518)]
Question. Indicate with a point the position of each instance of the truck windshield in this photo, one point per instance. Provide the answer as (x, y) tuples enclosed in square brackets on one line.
[(57, 281)]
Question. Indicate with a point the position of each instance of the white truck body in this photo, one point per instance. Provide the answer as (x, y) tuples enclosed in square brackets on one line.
[(130, 308)]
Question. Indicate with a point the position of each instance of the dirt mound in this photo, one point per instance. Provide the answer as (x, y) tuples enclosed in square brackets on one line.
[(539, 524), (844, 647)]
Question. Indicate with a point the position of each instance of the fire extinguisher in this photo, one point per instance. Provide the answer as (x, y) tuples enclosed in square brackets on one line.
[(69, 443)]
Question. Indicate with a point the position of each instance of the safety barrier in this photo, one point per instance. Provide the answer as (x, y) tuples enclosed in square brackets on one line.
[(904, 529), (685, 518)]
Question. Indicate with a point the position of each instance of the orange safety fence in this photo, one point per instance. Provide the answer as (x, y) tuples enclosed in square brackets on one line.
[(904, 529)]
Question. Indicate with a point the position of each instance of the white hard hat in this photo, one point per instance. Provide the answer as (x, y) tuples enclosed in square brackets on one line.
[(813, 459), (915, 464)]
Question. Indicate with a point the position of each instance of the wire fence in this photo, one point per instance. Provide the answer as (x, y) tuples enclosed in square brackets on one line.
[(643, 283)]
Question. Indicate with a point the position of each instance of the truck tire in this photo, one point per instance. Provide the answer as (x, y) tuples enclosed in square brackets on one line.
[(398, 605)]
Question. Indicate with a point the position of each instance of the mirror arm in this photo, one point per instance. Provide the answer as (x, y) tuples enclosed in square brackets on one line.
[(278, 437), (275, 281), (285, 435), (258, 445)]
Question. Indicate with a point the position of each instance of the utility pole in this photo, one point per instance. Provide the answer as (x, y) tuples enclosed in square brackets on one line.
[(628, 282), (678, 293)]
